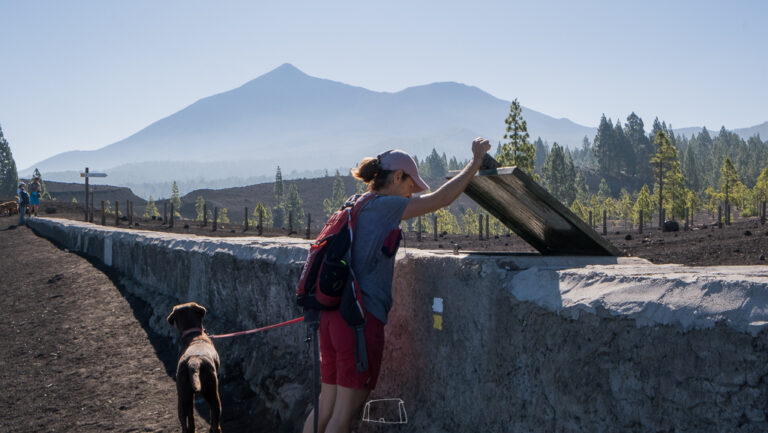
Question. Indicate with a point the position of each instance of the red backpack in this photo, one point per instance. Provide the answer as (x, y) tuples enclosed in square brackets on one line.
[(327, 270)]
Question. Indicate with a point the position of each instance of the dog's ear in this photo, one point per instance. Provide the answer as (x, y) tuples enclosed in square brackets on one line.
[(199, 309), (172, 317)]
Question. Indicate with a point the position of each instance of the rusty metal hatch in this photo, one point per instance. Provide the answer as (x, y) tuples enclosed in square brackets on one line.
[(533, 213)]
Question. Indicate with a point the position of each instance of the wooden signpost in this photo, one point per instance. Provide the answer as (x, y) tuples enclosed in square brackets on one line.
[(88, 200)]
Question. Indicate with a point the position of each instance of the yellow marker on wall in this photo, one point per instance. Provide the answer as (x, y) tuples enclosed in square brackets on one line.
[(437, 321)]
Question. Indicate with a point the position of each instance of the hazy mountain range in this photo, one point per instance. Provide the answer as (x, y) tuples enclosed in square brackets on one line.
[(305, 125), (745, 133)]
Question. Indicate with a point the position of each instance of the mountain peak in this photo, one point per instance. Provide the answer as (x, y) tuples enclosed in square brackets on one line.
[(285, 75), (284, 70)]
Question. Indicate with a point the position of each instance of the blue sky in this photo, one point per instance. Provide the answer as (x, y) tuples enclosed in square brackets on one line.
[(84, 74)]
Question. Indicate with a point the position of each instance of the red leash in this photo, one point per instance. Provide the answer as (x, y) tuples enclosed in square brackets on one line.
[(277, 325)]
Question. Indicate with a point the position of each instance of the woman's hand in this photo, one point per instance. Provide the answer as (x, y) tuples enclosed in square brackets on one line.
[(480, 146)]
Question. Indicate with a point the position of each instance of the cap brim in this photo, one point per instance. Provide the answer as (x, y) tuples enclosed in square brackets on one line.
[(420, 185)]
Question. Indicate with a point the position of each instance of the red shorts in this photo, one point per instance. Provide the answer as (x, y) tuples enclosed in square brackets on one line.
[(337, 351)]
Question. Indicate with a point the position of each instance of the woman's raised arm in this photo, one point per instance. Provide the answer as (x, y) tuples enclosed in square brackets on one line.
[(450, 190)]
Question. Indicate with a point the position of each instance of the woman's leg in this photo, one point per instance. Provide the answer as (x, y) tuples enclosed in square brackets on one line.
[(349, 401), (327, 400)]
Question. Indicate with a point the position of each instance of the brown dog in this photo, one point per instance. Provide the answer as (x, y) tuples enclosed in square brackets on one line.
[(197, 368), (9, 208)]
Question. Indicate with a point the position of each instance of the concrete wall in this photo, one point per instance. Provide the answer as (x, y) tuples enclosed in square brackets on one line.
[(522, 342)]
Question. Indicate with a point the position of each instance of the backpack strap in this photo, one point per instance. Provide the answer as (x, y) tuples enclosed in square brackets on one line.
[(360, 201), (361, 355)]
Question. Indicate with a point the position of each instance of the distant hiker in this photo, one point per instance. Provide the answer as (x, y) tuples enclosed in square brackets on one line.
[(23, 201), (392, 178), (34, 195)]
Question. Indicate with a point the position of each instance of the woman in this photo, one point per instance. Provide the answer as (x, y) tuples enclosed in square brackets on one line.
[(34, 195), (23, 196), (394, 178)]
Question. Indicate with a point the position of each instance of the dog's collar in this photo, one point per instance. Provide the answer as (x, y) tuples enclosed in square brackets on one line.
[(191, 330)]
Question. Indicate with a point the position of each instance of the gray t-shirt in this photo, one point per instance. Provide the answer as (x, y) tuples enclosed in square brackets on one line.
[(373, 268)]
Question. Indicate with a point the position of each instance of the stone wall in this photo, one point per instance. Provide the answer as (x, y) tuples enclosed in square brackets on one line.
[(490, 343)]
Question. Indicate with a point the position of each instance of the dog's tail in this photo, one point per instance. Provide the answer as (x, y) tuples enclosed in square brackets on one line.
[(193, 367)]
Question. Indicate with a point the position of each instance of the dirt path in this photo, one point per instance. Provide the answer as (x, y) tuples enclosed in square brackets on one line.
[(75, 356)]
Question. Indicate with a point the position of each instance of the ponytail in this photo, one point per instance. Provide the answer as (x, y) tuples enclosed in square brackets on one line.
[(369, 171)]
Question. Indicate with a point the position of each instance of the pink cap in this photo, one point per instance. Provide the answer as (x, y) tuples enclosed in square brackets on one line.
[(398, 160)]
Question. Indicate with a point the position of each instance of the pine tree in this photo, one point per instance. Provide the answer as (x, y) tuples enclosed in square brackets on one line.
[(641, 148), (555, 175), (624, 150), (436, 167), (279, 187), (9, 177), (625, 205), (760, 191), (338, 196), (706, 158), (611, 208), (655, 130), (595, 205), (603, 191), (542, 152), (176, 200), (426, 223), (585, 156), (579, 210), (199, 208), (690, 168), (469, 222), (446, 222), (675, 192), (453, 164), (150, 210), (605, 148), (643, 203), (569, 190), (692, 202), (444, 163), (517, 150), (223, 217), (670, 133), (582, 189), (729, 180), (279, 212), (742, 198), (265, 213), (757, 159), (279, 216), (294, 206), (666, 166), (682, 146)]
